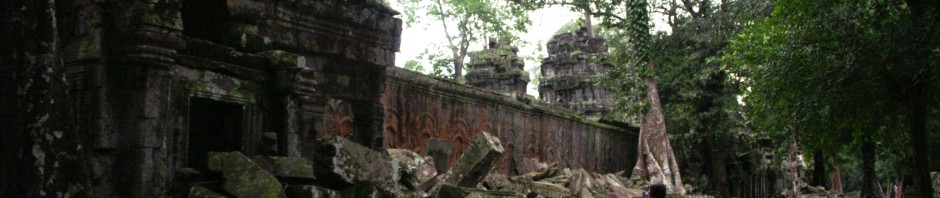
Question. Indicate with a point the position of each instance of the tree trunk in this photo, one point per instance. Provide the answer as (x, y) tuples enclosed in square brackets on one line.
[(587, 23), (918, 132), (718, 173), (458, 66), (39, 150), (656, 161), (837, 180), (869, 179), (819, 169)]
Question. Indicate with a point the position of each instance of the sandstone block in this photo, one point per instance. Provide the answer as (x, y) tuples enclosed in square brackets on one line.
[(287, 167), (201, 192), (244, 178), (308, 191), (456, 191), (440, 150), (413, 168), (476, 162), (551, 190), (344, 163)]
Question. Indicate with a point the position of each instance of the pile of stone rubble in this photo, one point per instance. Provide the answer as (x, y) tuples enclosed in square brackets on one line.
[(343, 168)]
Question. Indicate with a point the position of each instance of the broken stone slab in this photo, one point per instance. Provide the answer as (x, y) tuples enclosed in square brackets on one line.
[(440, 150), (344, 163), (309, 191), (550, 190), (617, 188), (581, 179), (413, 168), (496, 181), (286, 167), (476, 162), (244, 178), (449, 191), (198, 191), (530, 165)]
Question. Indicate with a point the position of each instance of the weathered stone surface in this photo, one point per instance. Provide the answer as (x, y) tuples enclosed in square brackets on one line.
[(201, 192), (498, 68), (289, 167), (546, 189), (581, 179), (309, 191), (935, 181), (476, 162), (344, 163), (448, 191), (420, 109), (244, 178), (496, 181), (413, 168), (441, 150), (571, 72)]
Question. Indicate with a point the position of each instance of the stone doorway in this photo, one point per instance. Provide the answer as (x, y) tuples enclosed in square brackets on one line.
[(213, 126)]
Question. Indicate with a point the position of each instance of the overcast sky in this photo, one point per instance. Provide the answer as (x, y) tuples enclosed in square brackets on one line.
[(545, 22)]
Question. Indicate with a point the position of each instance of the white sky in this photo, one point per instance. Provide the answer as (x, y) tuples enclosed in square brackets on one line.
[(417, 38)]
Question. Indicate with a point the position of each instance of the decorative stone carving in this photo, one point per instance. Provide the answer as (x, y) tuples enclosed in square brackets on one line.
[(498, 68), (571, 72)]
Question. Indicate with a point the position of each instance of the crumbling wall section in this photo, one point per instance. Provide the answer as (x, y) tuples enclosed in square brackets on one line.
[(134, 67), (420, 108), (572, 72)]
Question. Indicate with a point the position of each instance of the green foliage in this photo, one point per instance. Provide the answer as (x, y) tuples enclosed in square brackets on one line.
[(467, 22), (414, 65), (835, 74)]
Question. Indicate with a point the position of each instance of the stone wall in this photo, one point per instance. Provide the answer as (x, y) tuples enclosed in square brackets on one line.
[(155, 85), (419, 108)]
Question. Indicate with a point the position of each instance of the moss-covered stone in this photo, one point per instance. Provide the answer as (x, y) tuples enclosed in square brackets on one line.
[(345, 163), (242, 177), (308, 191), (289, 167), (201, 192)]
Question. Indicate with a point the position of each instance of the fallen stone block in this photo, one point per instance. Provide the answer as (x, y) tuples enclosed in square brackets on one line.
[(496, 181), (202, 192), (344, 163), (440, 150), (449, 191), (413, 168), (476, 162), (286, 167), (581, 179), (309, 191), (550, 190), (616, 187), (529, 165), (242, 177)]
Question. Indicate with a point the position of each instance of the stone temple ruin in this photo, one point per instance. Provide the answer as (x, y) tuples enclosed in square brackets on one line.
[(498, 68), (301, 98), (571, 74)]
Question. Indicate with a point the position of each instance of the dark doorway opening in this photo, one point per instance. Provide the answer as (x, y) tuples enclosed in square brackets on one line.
[(207, 19), (213, 126)]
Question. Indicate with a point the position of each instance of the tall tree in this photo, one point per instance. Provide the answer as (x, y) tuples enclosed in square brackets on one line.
[(628, 23), (696, 92), (467, 22), (865, 68)]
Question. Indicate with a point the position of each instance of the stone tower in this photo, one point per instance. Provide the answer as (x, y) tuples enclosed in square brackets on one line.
[(498, 68), (571, 73)]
